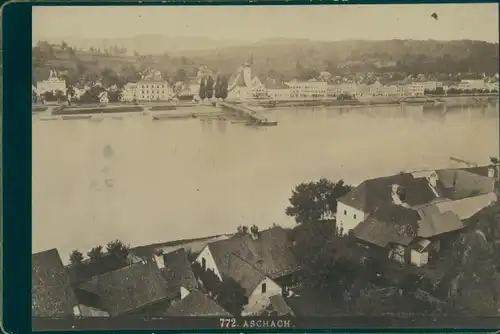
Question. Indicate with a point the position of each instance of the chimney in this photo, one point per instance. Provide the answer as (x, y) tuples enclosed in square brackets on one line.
[(160, 260), (433, 180), (254, 232), (491, 172), (76, 311)]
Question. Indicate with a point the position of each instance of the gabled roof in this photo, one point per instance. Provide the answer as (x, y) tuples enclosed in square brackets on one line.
[(389, 223), (467, 207), (460, 183), (196, 304), (270, 253), (438, 223), (279, 305), (178, 271), (83, 272), (129, 288), (246, 275), (52, 295), (371, 193)]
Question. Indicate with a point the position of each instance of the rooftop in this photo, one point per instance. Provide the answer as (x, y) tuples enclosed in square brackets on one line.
[(178, 271), (129, 288), (52, 295), (195, 304)]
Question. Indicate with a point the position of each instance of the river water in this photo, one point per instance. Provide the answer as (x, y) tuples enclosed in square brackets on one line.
[(144, 181)]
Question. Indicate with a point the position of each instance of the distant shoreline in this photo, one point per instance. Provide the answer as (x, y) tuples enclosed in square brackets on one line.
[(437, 101)]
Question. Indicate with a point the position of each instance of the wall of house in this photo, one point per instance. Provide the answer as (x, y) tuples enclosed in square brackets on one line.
[(184, 292), (419, 259), (259, 300), (89, 312), (348, 217), (209, 261)]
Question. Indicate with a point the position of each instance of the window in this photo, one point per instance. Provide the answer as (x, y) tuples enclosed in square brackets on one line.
[(203, 263), (264, 287), (345, 212), (354, 216)]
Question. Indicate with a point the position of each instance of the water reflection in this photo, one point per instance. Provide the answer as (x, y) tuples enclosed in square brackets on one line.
[(148, 181)]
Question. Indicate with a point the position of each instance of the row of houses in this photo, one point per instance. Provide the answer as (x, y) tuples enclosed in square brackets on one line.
[(412, 218), (408, 218), (262, 263)]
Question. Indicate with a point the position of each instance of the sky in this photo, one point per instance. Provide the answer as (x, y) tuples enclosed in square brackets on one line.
[(253, 23)]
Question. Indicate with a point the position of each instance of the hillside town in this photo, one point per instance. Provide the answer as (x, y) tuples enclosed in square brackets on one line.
[(411, 243), (151, 84)]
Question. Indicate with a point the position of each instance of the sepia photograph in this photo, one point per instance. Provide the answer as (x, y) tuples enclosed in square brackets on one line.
[(270, 162)]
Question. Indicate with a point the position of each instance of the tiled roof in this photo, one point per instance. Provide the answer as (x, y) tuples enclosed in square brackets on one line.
[(460, 183), (129, 288), (178, 271), (438, 223), (52, 295), (246, 275), (270, 253), (389, 223), (196, 304), (467, 207), (370, 193), (279, 305), (88, 269)]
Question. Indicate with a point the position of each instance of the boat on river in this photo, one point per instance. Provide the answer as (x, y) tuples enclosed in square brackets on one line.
[(173, 116), (262, 123), (75, 117)]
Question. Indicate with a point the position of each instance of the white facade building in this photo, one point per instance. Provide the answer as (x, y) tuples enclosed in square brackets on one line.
[(52, 84)]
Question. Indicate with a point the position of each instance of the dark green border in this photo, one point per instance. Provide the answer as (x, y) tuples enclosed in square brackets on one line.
[(16, 154)]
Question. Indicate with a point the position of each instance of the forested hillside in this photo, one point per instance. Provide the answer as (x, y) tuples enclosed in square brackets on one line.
[(284, 58)]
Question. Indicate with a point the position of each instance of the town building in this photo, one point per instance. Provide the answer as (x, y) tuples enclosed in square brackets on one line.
[(415, 89), (52, 84), (307, 90), (472, 84), (153, 90), (258, 89), (196, 304), (129, 92), (240, 84), (432, 85), (261, 262), (52, 294), (276, 90), (411, 215)]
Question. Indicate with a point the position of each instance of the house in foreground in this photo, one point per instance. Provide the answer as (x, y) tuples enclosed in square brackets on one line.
[(196, 304), (52, 294), (262, 263), (418, 216)]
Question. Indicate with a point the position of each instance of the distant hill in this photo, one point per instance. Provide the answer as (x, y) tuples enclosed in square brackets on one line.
[(144, 44), (276, 57)]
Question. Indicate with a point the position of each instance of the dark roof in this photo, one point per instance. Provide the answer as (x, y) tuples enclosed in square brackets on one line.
[(436, 223), (129, 288), (83, 272), (389, 223), (246, 275), (178, 271), (479, 170), (52, 295), (460, 183), (370, 193), (279, 305), (237, 79), (271, 253), (196, 304)]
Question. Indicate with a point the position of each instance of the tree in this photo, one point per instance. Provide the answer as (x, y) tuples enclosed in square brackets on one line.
[(34, 97), (59, 96), (313, 201), (242, 230), (223, 88), (202, 92), (95, 253), (75, 257), (217, 88), (180, 75), (209, 88), (48, 96), (231, 296), (118, 248)]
